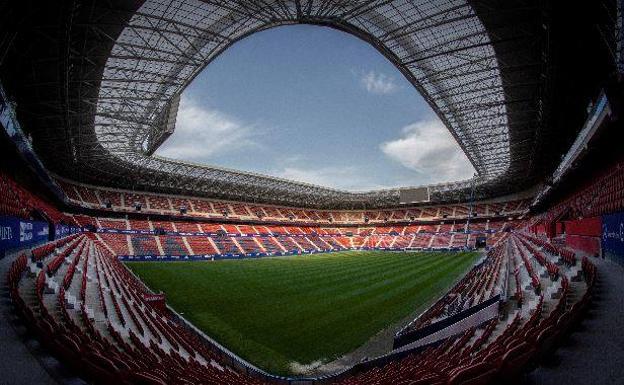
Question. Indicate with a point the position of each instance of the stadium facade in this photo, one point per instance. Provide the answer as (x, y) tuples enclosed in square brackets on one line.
[(531, 91)]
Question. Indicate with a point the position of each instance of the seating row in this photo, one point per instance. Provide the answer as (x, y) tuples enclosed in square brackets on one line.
[(92, 313), (119, 200)]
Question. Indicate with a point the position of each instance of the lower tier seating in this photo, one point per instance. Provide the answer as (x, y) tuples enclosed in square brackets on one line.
[(174, 246), (102, 322)]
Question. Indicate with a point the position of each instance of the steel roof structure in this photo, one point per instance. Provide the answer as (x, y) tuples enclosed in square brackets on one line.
[(98, 114)]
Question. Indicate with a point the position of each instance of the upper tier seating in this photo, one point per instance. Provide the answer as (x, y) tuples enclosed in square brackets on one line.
[(201, 207), (70, 190), (178, 203), (222, 208), (130, 200), (88, 196), (601, 195), (239, 210), (112, 197), (158, 203), (197, 207), (19, 202)]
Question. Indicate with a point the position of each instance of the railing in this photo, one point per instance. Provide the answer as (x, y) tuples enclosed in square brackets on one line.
[(449, 326)]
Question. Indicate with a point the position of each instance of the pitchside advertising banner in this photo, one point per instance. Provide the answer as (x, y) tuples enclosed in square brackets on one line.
[(61, 231), (613, 237), (17, 233)]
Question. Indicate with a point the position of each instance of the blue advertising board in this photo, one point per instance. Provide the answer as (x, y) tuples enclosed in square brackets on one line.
[(613, 237), (18, 233), (62, 231)]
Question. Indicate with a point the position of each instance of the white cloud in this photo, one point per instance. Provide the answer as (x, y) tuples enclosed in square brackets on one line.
[(340, 177), (428, 148), (203, 132), (376, 83)]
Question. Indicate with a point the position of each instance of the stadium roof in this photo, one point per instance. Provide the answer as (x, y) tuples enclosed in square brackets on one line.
[(98, 79)]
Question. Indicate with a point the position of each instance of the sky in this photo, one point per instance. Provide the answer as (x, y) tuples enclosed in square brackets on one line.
[(316, 105)]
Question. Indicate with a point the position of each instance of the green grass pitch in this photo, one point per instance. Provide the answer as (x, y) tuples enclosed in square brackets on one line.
[(275, 311)]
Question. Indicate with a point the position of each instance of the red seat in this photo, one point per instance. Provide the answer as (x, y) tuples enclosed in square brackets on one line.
[(477, 374), (100, 368), (147, 379), (516, 359)]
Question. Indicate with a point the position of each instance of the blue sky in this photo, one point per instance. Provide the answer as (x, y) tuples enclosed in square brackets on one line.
[(317, 105)]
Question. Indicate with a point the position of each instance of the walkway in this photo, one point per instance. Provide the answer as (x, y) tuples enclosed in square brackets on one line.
[(22, 360), (594, 353)]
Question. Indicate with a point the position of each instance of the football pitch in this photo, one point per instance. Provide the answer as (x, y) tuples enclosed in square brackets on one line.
[(302, 309)]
